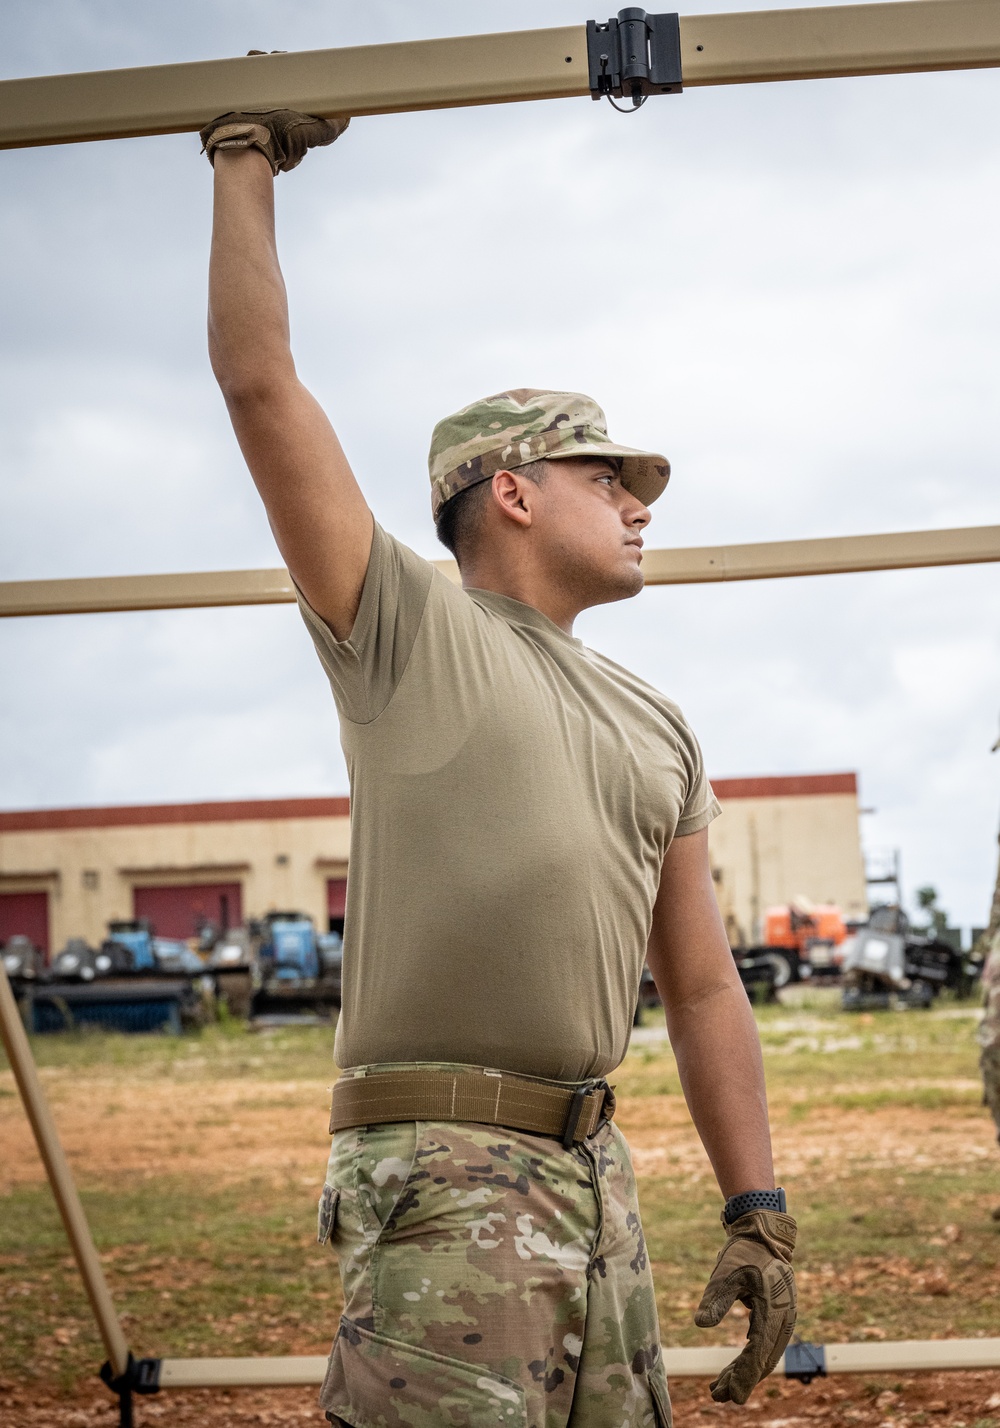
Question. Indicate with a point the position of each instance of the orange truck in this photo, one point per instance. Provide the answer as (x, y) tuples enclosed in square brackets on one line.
[(802, 939)]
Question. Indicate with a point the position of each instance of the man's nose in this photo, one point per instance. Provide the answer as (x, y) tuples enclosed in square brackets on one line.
[(636, 514)]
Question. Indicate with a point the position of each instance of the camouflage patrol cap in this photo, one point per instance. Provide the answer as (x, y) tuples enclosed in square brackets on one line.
[(514, 428)]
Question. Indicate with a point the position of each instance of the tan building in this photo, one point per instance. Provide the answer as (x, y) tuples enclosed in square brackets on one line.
[(66, 872), (786, 837)]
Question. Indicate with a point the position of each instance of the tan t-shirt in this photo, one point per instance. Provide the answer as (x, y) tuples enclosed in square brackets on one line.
[(512, 797)]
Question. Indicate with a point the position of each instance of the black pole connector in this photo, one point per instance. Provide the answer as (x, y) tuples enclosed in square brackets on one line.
[(634, 56), (805, 1361), (140, 1376)]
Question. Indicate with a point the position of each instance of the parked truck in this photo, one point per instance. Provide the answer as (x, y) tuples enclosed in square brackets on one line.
[(279, 964), (802, 940)]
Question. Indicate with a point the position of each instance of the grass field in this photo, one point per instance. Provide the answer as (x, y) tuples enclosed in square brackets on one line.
[(200, 1160)]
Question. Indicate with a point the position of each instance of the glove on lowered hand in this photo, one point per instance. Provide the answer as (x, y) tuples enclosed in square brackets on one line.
[(282, 135), (754, 1266)]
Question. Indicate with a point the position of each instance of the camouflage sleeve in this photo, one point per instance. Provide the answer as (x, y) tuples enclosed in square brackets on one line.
[(365, 669), (988, 1033)]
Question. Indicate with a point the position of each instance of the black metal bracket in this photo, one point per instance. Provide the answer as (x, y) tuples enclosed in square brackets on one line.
[(805, 1361), (140, 1376), (634, 56)]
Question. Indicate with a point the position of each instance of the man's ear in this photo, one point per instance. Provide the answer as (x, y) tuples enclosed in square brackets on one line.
[(509, 492)]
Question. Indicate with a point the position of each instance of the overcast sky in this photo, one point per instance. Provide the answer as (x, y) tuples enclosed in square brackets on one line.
[(792, 289)]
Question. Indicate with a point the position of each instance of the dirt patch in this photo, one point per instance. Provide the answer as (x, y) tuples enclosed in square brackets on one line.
[(236, 1129), (830, 1141), (229, 1130)]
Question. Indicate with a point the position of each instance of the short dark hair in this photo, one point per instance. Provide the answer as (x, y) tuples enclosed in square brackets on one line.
[(461, 515)]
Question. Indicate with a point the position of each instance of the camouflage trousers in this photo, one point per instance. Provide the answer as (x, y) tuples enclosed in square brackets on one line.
[(490, 1277), (989, 1065)]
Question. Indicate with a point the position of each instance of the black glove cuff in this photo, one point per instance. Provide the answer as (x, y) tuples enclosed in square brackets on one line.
[(738, 1205)]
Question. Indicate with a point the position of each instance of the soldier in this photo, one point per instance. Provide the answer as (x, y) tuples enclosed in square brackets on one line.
[(988, 1036), (529, 821)]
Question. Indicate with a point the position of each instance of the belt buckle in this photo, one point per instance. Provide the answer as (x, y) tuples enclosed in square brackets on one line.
[(576, 1105)]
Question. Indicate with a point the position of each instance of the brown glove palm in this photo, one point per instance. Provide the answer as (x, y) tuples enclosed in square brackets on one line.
[(754, 1266), (282, 135)]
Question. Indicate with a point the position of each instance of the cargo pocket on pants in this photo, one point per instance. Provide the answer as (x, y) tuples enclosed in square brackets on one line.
[(376, 1382), (326, 1218), (661, 1399)]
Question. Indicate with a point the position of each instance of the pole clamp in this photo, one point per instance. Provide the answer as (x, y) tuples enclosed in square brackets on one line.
[(634, 56), (140, 1376), (805, 1361)]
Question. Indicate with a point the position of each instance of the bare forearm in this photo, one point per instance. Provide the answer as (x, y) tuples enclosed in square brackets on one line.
[(711, 1026), (715, 1042), (247, 305)]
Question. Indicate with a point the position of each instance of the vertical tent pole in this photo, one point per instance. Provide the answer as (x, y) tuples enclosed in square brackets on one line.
[(60, 1178)]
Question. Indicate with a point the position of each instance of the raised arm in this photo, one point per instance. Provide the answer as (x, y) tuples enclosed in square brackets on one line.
[(317, 512)]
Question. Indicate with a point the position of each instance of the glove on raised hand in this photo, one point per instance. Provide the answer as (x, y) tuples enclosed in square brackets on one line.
[(754, 1266), (282, 135)]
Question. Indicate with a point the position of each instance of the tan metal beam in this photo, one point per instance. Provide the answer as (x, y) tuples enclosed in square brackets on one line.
[(829, 555), (905, 1356), (746, 48), (104, 594), (365, 79), (839, 40), (693, 565)]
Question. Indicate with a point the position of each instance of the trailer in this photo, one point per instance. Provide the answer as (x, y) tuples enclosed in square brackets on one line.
[(888, 964)]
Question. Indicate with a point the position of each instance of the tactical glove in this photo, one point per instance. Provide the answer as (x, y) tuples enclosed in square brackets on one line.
[(282, 135), (754, 1266)]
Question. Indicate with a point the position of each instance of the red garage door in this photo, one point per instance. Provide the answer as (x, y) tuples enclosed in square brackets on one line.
[(179, 911), (336, 902), (26, 913)]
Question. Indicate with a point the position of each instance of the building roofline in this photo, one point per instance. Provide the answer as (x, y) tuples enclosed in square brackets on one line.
[(251, 809), (785, 785), (136, 815)]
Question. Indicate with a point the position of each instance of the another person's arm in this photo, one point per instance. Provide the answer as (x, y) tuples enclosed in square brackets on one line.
[(317, 512)]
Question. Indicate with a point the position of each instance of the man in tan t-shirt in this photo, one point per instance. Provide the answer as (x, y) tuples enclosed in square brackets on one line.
[(529, 822)]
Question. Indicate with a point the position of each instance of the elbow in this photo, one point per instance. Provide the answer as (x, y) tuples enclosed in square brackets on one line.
[(247, 378), (241, 390), (249, 387), (687, 1005)]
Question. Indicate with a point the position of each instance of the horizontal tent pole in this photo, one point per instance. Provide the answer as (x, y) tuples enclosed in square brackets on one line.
[(15, 1044), (836, 41), (752, 47), (106, 593), (242, 1373), (828, 555), (693, 565), (903, 1357), (912, 1355)]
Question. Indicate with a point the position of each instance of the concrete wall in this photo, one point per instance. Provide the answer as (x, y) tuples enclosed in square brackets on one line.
[(777, 838)]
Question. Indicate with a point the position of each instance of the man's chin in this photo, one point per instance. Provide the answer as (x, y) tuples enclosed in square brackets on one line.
[(633, 582), (622, 586)]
